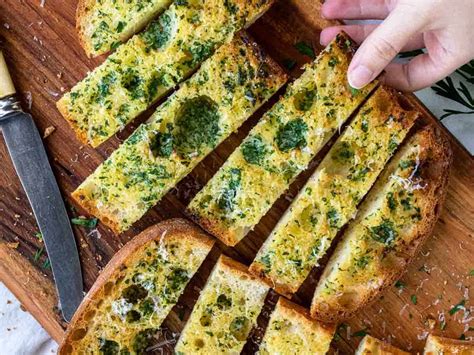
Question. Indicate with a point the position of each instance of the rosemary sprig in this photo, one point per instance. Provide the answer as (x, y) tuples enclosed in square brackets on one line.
[(461, 94)]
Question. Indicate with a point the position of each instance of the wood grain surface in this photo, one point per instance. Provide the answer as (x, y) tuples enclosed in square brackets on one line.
[(43, 53)]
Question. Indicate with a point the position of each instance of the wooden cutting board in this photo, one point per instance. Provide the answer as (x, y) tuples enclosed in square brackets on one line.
[(45, 58)]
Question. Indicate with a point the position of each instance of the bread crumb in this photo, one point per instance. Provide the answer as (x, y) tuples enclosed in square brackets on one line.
[(13, 246), (48, 131)]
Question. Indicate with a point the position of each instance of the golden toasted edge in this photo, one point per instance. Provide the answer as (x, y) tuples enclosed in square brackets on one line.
[(62, 107), (301, 314), (82, 10), (210, 226), (171, 227), (368, 344), (257, 270), (439, 159), (92, 209), (234, 267), (451, 345)]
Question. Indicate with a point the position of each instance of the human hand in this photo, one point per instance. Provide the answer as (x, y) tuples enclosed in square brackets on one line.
[(444, 27)]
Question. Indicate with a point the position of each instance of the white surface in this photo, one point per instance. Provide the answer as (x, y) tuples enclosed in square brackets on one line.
[(20, 333)]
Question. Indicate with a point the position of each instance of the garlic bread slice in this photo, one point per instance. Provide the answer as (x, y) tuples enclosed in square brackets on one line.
[(225, 313), (292, 331), (103, 25), (443, 346), (397, 216), (280, 146), (228, 89), (138, 288), (152, 63), (330, 197), (372, 346)]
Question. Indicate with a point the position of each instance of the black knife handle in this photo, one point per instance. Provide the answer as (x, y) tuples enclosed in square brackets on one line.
[(31, 163)]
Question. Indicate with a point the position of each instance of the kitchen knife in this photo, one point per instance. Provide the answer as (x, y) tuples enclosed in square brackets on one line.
[(32, 166)]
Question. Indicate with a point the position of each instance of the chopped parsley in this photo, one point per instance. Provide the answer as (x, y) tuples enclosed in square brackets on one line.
[(392, 203), (161, 145), (344, 152), (159, 32), (108, 347), (197, 125), (305, 99), (384, 232), (292, 135), (85, 222), (305, 49), (461, 305), (254, 150), (120, 26), (400, 285), (227, 199), (414, 299), (360, 333)]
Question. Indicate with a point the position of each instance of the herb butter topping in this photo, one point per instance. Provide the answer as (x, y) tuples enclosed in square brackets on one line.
[(225, 312), (375, 244), (280, 146), (153, 62), (330, 197), (184, 129)]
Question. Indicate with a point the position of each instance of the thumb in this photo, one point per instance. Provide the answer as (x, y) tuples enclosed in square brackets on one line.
[(383, 44), (420, 72)]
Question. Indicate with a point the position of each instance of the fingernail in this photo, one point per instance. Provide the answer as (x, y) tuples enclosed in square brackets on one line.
[(360, 76)]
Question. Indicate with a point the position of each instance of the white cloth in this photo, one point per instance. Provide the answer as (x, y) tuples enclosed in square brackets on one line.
[(20, 333)]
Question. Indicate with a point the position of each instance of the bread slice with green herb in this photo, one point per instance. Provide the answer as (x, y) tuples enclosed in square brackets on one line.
[(372, 346), (292, 331), (443, 346), (330, 197), (138, 288), (103, 25), (392, 223), (228, 89), (152, 63), (225, 313), (280, 146)]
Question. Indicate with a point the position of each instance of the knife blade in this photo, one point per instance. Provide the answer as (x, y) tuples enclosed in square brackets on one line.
[(31, 163)]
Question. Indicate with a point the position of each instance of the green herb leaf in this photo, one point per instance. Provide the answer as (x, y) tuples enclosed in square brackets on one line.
[(85, 222), (400, 285), (360, 333), (38, 254), (305, 49), (471, 273), (457, 307), (414, 299)]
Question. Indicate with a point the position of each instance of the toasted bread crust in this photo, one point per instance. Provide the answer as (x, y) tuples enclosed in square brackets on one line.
[(436, 345), (92, 209), (61, 105), (82, 10), (213, 227), (293, 310), (172, 228), (436, 160), (370, 345), (283, 289), (238, 268)]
